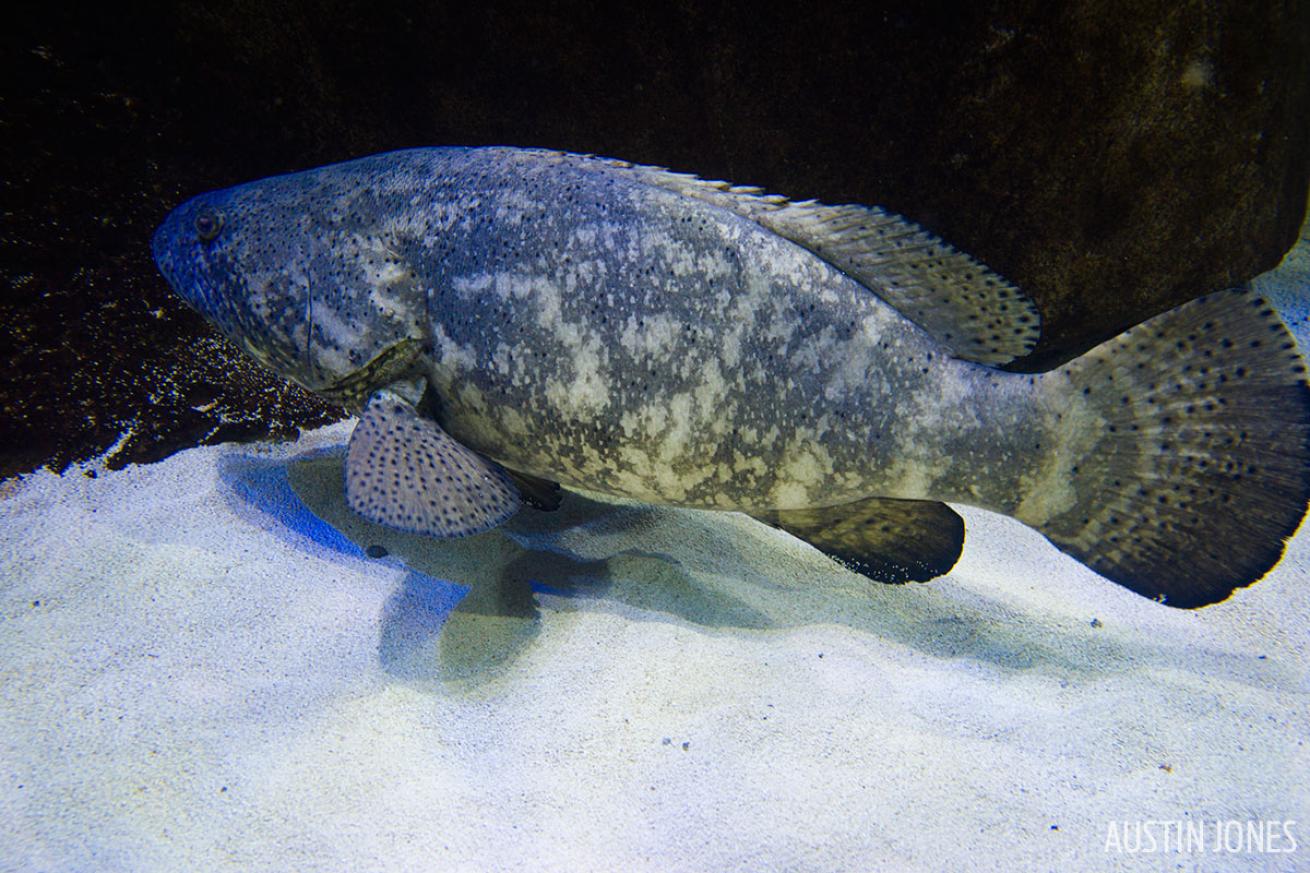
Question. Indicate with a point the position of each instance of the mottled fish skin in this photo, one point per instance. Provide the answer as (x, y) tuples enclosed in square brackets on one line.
[(294, 266), (626, 330), (612, 336), (654, 347)]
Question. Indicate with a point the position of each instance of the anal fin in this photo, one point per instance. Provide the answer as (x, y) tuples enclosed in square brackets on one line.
[(885, 539)]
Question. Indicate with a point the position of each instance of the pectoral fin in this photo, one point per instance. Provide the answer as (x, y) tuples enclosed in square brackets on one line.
[(884, 539), (405, 472)]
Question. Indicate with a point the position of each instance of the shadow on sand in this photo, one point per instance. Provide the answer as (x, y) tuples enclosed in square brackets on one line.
[(468, 608)]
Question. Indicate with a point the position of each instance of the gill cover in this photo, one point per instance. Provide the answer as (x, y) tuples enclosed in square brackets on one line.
[(301, 271)]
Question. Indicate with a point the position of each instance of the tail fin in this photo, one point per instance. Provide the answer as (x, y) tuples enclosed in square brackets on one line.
[(1201, 469)]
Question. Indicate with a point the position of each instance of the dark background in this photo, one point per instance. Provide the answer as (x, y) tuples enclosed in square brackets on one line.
[(1113, 158)]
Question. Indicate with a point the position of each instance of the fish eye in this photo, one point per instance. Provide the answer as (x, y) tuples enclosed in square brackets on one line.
[(208, 223)]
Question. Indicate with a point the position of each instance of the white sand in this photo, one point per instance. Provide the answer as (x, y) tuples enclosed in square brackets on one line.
[(199, 675)]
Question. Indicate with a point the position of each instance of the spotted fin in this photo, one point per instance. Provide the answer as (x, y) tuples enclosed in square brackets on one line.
[(405, 472), (970, 310), (1188, 465), (887, 540)]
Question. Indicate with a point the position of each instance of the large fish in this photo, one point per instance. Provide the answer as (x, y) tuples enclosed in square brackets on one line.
[(508, 319)]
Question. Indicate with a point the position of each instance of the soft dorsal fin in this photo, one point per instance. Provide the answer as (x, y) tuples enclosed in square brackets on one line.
[(405, 472), (885, 539), (973, 312)]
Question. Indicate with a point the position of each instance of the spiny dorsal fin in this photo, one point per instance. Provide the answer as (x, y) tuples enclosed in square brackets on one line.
[(885, 539), (975, 313), (405, 472)]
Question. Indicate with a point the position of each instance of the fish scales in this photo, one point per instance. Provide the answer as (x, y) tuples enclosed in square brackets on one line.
[(626, 341), (533, 315)]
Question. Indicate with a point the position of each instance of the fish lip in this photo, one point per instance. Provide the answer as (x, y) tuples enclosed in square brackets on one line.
[(168, 250), (160, 251), (176, 259)]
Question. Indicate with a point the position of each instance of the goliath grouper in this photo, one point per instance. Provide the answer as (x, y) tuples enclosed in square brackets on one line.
[(507, 321)]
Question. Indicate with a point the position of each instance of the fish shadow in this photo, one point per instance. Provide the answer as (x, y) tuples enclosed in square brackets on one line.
[(468, 609)]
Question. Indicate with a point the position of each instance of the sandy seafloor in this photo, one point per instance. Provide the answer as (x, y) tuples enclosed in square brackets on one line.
[(200, 674)]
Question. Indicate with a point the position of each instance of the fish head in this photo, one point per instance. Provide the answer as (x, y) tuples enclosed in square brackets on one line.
[(297, 272)]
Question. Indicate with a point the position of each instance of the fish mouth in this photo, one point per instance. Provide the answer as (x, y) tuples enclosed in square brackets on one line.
[(175, 261), (393, 363), (161, 250)]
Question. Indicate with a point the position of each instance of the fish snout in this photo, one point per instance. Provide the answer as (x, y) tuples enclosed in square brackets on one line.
[(161, 251), (168, 247)]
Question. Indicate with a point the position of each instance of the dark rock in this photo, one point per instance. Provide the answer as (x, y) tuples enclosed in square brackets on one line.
[(1113, 158)]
